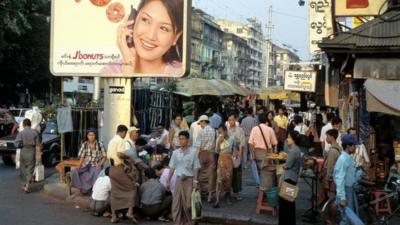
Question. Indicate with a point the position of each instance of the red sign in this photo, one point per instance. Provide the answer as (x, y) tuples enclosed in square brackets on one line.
[(354, 4)]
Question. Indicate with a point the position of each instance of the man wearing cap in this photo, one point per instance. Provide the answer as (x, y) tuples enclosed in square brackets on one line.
[(205, 144), (132, 153), (344, 176)]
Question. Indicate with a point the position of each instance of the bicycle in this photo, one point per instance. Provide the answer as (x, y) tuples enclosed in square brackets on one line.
[(365, 203)]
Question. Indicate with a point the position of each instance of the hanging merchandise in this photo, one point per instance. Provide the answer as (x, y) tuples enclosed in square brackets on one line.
[(64, 120), (35, 116)]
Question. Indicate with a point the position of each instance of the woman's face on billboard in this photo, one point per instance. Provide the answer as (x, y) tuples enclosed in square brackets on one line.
[(154, 32)]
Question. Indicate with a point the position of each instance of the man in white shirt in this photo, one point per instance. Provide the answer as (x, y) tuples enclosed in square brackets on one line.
[(131, 151), (116, 146), (100, 203), (195, 129), (335, 123), (162, 135)]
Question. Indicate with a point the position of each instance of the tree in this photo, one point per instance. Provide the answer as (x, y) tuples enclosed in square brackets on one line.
[(24, 48)]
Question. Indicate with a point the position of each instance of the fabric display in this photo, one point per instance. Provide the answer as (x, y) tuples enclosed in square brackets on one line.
[(153, 107), (64, 120), (83, 119)]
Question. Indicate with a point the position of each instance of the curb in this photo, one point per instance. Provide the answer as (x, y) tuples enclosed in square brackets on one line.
[(57, 191)]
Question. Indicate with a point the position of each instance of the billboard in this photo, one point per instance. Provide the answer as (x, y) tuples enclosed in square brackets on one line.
[(319, 23), (360, 7), (302, 81), (122, 38)]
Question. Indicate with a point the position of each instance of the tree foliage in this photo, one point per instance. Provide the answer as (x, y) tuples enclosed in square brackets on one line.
[(24, 46)]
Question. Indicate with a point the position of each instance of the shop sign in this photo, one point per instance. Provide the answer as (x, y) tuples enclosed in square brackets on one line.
[(117, 90), (319, 23), (125, 38), (360, 7), (302, 81)]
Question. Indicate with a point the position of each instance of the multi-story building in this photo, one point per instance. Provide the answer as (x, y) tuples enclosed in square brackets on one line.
[(207, 46), (285, 60), (270, 69), (251, 31), (236, 59)]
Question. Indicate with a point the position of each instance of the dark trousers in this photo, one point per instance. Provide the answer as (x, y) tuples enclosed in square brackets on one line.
[(287, 210), (237, 179), (158, 210)]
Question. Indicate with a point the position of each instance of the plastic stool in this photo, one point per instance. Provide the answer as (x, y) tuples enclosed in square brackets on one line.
[(262, 205), (384, 205)]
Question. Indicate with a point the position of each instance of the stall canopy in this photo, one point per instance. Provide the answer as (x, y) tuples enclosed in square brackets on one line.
[(277, 92), (383, 96)]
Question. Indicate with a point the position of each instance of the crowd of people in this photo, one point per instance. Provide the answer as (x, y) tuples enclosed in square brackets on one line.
[(126, 180)]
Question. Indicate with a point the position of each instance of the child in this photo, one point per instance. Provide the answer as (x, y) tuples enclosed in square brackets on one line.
[(100, 203)]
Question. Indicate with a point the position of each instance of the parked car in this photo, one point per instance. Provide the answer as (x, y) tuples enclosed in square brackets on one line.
[(19, 114), (50, 144), (8, 125)]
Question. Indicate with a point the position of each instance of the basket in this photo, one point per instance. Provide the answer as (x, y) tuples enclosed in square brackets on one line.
[(271, 195)]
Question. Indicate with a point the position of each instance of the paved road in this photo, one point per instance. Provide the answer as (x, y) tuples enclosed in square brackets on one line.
[(17, 208)]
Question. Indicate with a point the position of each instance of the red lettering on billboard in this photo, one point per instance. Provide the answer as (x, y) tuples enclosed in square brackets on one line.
[(354, 4)]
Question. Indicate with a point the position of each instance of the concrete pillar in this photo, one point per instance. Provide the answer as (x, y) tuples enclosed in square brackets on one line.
[(96, 89), (117, 106)]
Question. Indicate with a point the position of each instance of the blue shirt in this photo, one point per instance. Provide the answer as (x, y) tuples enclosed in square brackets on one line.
[(344, 174)]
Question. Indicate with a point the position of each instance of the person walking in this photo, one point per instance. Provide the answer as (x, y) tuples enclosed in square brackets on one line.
[(237, 154), (185, 165), (29, 142), (225, 164), (262, 140), (247, 125), (345, 176), (205, 145), (282, 122), (287, 209)]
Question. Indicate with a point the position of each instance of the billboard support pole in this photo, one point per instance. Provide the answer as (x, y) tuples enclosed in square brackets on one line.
[(117, 105)]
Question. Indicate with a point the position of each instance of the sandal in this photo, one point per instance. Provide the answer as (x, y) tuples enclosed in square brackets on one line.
[(114, 220), (27, 190), (163, 219)]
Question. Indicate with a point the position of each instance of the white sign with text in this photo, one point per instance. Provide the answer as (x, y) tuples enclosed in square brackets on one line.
[(302, 81)]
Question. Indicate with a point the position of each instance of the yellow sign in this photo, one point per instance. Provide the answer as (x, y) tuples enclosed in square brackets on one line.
[(360, 7), (125, 38)]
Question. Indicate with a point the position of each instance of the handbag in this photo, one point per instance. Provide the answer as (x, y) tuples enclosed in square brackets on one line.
[(39, 172), (288, 191), (267, 163)]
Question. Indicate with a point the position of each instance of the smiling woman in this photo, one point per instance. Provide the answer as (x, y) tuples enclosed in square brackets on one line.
[(156, 32)]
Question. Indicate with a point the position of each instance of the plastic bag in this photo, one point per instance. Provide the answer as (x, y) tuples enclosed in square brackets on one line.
[(39, 173), (17, 158), (254, 170), (196, 205)]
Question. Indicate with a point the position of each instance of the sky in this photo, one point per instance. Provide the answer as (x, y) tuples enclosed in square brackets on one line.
[(288, 18)]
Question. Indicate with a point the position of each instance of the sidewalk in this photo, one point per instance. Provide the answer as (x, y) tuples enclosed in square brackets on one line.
[(239, 213)]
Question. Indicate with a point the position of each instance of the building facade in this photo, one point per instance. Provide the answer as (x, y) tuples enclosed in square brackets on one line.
[(236, 59), (207, 46), (284, 60), (251, 31)]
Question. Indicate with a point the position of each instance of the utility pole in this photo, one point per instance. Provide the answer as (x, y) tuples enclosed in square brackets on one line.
[(269, 45)]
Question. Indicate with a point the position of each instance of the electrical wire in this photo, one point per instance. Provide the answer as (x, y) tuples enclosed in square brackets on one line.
[(290, 15)]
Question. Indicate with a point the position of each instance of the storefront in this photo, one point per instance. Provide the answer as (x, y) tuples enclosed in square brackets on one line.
[(364, 66)]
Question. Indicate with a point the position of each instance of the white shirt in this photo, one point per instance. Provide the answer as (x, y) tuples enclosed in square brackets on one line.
[(115, 146), (324, 129), (130, 151), (163, 139), (195, 129), (101, 189), (164, 179), (301, 128)]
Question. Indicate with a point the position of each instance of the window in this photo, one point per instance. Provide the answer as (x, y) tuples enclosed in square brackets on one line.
[(239, 30)]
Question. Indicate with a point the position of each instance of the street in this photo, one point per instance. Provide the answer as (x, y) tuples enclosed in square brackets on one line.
[(17, 208)]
